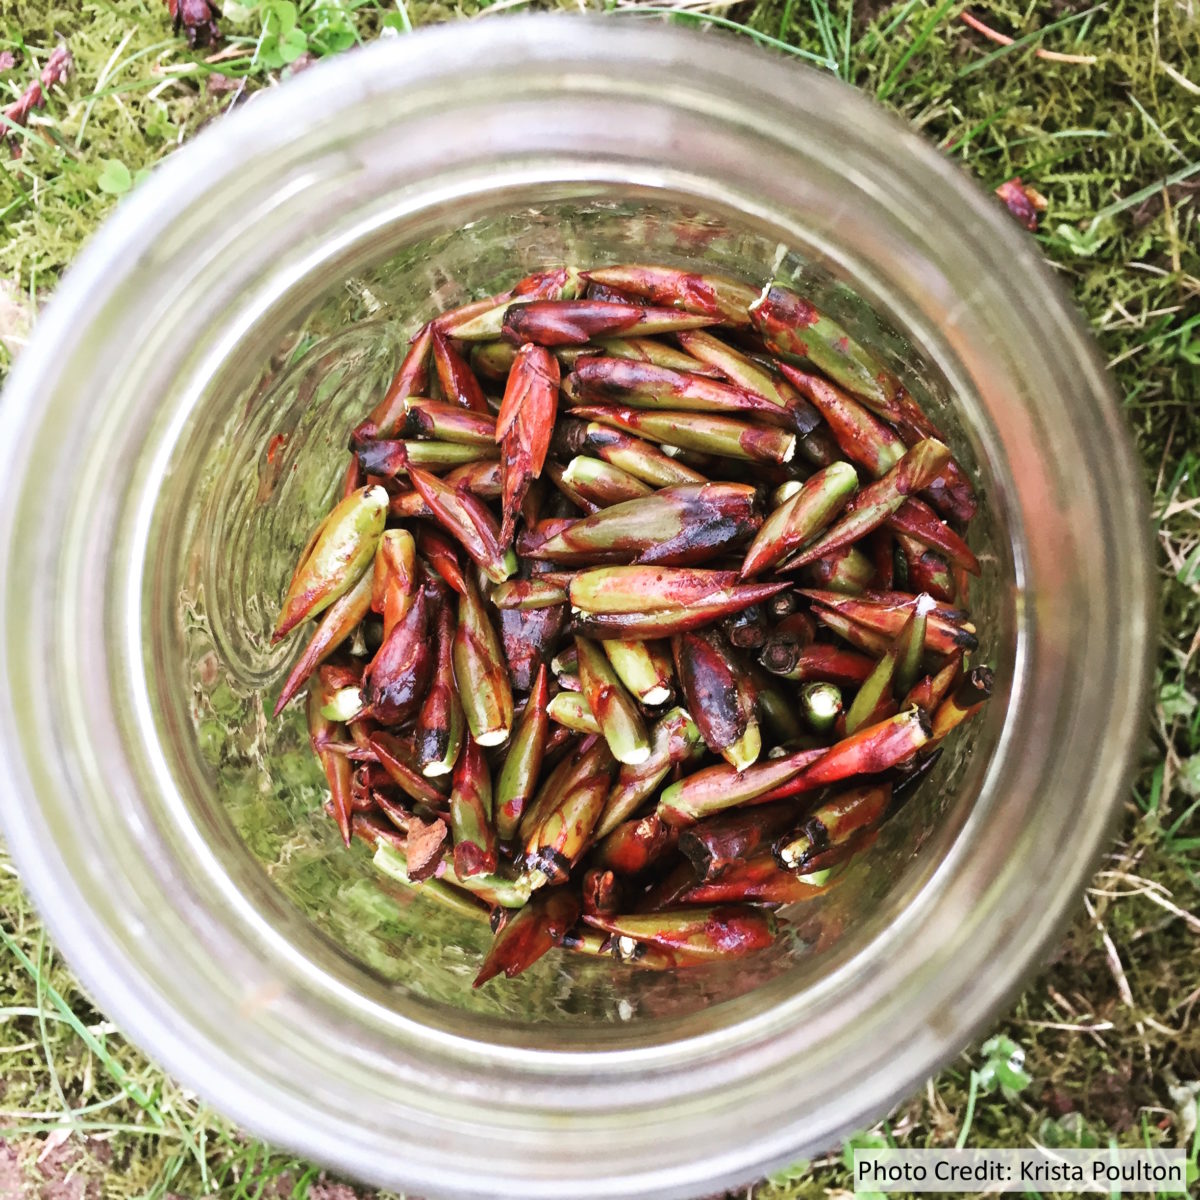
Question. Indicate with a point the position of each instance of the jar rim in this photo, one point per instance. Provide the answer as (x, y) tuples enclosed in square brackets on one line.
[(727, 81)]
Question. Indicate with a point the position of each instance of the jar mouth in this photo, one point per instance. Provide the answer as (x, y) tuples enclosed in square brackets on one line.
[(304, 187), (252, 513)]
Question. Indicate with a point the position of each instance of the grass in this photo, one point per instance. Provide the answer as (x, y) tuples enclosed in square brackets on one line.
[(1105, 1045)]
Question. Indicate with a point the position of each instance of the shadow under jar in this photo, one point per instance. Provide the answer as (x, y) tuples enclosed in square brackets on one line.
[(264, 284)]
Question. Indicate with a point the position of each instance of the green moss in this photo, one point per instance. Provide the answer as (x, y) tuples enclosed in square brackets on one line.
[(1108, 1033)]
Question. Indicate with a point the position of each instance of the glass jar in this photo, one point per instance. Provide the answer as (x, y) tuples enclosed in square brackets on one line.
[(177, 425)]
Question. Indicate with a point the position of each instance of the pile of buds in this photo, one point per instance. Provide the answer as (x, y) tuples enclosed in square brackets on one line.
[(644, 606)]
